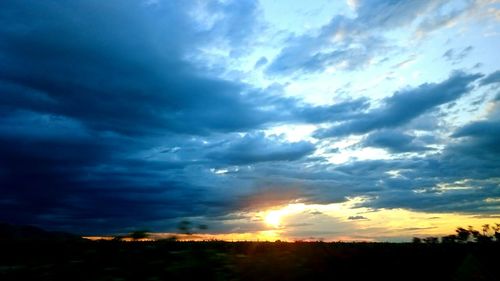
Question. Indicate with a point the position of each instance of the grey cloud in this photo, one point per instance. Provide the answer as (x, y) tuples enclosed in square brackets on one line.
[(236, 22), (445, 15), (452, 56), (357, 218), (391, 14), (350, 43), (121, 82), (268, 195), (340, 111), (395, 141), (461, 178), (480, 137), (463, 202), (261, 62), (258, 148), (468, 166), (492, 78), (404, 106), (309, 53), (449, 54)]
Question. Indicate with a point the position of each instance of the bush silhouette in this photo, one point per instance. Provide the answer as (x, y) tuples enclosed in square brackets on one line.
[(185, 227), (139, 234), (462, 234)]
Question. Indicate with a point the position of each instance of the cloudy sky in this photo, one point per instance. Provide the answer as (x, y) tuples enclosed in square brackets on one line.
[(357, 119)]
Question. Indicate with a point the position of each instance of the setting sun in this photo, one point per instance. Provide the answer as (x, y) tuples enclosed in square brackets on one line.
[(273, 218)]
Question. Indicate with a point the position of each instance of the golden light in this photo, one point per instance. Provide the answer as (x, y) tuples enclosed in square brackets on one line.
[(273, 218), (289, 222), (333, 222)]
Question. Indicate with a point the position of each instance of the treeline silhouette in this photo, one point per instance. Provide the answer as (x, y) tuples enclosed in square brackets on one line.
[(184, 227), (56, 258), (489, 233)]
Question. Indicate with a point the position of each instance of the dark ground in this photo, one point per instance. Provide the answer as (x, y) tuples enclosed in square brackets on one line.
[(76, 259)]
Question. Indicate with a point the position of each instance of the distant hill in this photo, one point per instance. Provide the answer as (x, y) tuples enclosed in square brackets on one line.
[(9, 232)]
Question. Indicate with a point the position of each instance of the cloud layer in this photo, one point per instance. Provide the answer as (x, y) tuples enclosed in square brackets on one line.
[(110, 121)]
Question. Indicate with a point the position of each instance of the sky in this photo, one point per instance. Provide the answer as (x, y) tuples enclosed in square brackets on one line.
[(374, 120)]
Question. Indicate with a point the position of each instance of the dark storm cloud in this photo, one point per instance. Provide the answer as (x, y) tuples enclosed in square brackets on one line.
[(89, 88), (84, 183), (121, 69), (104, 123), (108, 68), (404, 106), (254, 148)]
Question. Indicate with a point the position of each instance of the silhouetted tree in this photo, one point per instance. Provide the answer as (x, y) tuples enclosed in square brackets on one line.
[(486, 229), (481, 237), (496, 229), (139, 234), (449, 239), (118, 238), (431, 240), (171, 238), (184, 227), (462, 234), (473, 232)]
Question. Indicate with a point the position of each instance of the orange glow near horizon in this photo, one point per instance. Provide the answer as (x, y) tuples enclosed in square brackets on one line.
[(347, 221), (339, 222)]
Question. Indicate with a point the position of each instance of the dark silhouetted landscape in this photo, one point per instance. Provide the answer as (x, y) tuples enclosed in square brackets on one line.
[(35, 254)]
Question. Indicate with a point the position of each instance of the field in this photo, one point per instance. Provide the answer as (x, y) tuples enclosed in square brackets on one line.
[(76, 259)]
